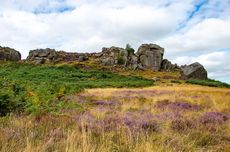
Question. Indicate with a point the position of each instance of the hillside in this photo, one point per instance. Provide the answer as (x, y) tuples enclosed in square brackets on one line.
[(55, 108), (115, 100)]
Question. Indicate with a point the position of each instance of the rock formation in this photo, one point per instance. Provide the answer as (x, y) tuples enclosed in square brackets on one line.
[(150, 56), (167, 66), (41, 56), (113, 56), (9, 54), (118, 56), (193, 71)]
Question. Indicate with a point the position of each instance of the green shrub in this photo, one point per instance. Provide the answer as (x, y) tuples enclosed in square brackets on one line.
[(120, 60), (12, 99), (209, 82), (176, 81), (129, 49)]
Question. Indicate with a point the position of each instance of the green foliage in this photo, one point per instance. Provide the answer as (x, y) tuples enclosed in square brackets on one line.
[(129, 49), (209, 82), (120, 60), (40, 89), (12, 98), (176, 81)]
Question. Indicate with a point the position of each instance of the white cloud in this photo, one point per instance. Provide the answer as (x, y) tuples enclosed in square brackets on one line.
[(208, 35), (90, 26)]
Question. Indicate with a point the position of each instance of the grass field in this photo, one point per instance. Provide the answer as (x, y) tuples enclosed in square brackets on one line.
[(160, 118), (63, 108)]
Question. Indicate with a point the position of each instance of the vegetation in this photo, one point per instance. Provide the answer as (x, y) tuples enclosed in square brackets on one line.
[(129, 49), (159, 118), (176, 81), (66, 108), (40, 89), (209, 82), (120, 59)]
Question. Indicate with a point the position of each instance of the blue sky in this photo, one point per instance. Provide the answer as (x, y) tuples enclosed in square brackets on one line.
[(190, 31)]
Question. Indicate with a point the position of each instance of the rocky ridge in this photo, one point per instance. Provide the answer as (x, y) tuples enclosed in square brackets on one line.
[(148, 56)]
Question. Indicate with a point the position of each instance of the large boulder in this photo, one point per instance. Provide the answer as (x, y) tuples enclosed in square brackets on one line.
[(113, 56), (193, 71), (40, 56), (150, 56), (9, 54), (167, 66)]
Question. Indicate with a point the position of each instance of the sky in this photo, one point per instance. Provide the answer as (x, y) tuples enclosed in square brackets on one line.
[(189, 30)]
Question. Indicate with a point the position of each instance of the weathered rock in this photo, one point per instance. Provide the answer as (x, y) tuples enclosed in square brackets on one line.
[(113, 56), (167, 66), (150, 56), (40, 56), (9, 54), (193, 71), (82, 58)]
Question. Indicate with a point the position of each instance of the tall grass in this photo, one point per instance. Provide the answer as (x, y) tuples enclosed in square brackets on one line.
[(186, 118)]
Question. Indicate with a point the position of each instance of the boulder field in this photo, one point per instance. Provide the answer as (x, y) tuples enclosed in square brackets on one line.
[(148, 56)]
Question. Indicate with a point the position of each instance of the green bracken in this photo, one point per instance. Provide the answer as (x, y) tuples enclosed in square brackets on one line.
[(39, 89), (209, 82)]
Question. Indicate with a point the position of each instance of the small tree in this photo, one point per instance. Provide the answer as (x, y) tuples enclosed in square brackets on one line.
[(129, 49)]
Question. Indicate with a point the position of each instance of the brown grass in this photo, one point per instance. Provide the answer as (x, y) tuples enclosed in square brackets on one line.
[(160, 118)]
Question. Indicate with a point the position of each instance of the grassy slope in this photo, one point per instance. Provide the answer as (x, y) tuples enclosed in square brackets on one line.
[(193, 118), (40, 88)]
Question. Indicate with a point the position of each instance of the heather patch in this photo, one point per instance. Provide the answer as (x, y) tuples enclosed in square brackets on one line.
[(134, 121), (214, 118), (182, 124), (140, 121), (178, 105), (169, 115)]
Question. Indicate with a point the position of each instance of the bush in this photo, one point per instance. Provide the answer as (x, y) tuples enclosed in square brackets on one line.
[(129, 49), (120, 60), (176, 81), (12, 99)]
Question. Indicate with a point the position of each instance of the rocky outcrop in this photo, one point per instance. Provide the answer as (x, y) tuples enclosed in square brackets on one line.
[(9, 54), (113, 56), (193, 71), (150, 56), (167, 66), (41, 56), (118, 56)]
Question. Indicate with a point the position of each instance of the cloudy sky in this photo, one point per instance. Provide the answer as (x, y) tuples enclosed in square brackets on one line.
[(189, 30)]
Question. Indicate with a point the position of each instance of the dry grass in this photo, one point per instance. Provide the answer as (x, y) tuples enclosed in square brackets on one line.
[(161, 118)]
